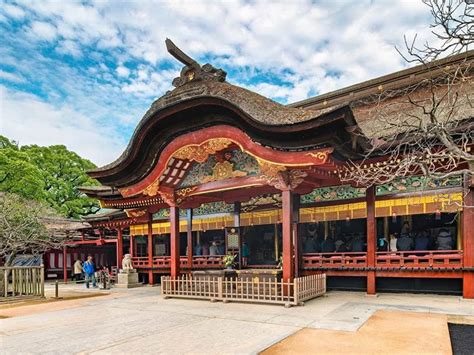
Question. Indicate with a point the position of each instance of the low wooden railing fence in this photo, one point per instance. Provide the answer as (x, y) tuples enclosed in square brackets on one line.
[(164, 262), (421, 259), (22, 281), (349, 259), (236, 289)]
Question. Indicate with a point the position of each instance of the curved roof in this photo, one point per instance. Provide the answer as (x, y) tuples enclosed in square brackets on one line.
[(260, 108), (203, 98)]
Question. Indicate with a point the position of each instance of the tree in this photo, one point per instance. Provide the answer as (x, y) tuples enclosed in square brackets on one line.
[(22, 227), (18, 174), (427, 126), (49, 174)]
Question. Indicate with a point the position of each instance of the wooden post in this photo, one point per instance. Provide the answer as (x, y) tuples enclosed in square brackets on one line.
[(371, 239), (287, 220), (150, 248), (119, 247), (65, 264), (174, 235), (468, 240), (189, 231)]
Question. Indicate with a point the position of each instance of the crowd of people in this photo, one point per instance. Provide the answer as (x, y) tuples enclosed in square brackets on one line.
[(406, 240), (213, 249)]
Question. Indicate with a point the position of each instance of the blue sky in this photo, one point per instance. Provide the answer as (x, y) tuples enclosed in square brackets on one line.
[(83, 73)]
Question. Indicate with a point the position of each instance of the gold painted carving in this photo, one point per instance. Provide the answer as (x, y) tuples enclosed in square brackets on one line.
[(269, 169), (201, 152), (135, 213), (223, 170), (321, 157), (152, 189)]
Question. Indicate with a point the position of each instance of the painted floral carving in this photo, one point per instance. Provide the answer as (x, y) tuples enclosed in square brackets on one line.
[(200, 152)]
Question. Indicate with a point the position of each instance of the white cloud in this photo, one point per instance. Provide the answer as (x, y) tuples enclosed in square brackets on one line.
[(69, 47), (13, 11), (115, 56), (30, 120), (12, 77), (123, 71), (43, 31)]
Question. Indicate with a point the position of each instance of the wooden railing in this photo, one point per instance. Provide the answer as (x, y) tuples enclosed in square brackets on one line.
[(22, 281), (421, 259), (164, 262), (207, 261), (140, 261), (331, 260), (240, 290)]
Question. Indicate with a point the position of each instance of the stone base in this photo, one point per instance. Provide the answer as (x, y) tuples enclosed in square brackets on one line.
[(127, 279)]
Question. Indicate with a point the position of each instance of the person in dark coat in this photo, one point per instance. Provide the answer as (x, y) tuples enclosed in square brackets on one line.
[(328, 245), (405, 243), (358, 245), (422, 242), (444, 240)]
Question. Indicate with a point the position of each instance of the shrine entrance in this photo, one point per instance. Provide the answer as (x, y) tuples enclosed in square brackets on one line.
[(263, 244)]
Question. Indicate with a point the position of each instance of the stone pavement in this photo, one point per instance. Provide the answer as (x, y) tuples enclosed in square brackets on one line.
[(140, 321)]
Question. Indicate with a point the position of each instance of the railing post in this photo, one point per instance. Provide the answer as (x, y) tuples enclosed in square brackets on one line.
[(5, 282), (13, 282), (296, 289), (219, 288)]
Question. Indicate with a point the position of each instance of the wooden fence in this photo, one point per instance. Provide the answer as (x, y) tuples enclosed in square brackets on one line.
[(22, 281), (240, 290)]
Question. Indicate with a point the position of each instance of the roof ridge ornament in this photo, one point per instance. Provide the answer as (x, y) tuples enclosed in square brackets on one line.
[(192, 70)]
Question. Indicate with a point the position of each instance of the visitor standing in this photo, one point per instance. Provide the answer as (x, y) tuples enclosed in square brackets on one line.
[(89, 271), (245, 254), (213, 249), (78, 270)]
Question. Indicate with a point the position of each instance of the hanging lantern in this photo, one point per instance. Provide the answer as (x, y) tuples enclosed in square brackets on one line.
[(394, 217), (438, 214)]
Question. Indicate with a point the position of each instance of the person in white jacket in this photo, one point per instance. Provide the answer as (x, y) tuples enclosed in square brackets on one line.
[(78, 270), (393, 242)]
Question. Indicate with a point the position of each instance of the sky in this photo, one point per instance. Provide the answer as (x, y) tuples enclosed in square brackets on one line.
[(82, 74)]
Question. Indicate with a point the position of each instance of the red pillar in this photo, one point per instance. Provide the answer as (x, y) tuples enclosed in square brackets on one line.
[(65, 264), (174, 235), (131, 250), (468, 240), (119, 248), (295, 230), (371, 239), (189, 231), (287, 220), (150, 248)]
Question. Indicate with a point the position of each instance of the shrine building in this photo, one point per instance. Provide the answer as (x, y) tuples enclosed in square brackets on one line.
[(213, 168)]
